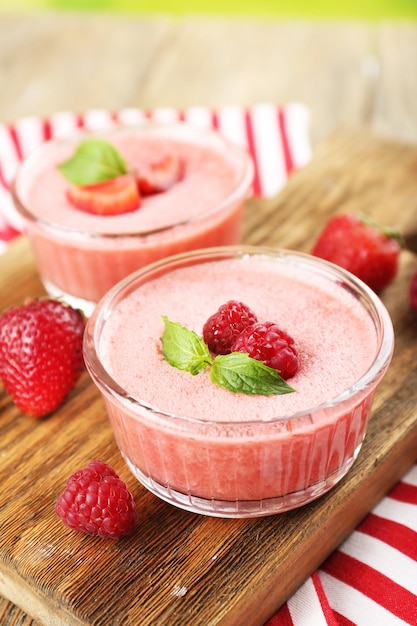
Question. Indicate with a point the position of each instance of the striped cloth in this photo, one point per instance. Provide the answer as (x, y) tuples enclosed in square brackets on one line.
[(276, 137), (372, 578)]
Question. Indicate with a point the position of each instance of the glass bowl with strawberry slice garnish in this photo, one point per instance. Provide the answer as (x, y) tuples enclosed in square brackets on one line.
[(98, 206), (239, 380)]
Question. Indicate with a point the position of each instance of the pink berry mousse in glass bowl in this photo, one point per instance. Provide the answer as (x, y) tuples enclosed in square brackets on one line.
[(81, 252), (201, 430)]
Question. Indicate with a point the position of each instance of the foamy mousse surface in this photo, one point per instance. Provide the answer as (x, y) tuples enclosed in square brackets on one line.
[(209, 176), (335, 337)]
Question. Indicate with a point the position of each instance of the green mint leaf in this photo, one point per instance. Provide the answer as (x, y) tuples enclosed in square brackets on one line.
[(238, 372), (94, 161), (183, 348)]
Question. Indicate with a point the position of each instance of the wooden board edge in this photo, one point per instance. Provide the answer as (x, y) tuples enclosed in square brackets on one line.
[(32, 602), (353, 508)]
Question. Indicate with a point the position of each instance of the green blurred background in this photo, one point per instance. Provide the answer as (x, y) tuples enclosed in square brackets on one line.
[(356, 9)]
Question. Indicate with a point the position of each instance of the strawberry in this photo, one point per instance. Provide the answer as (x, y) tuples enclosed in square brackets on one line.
[(160, 175), (41, 354), (97, 502), (111, 197), (361, 247)]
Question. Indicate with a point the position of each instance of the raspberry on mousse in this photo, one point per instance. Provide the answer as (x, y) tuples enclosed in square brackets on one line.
[(235, 328), (267, 342), (224, 326)]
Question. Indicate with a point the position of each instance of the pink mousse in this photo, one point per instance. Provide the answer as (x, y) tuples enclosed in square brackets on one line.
[(234, 454), (335, 338), (209, 176), (80, 255)]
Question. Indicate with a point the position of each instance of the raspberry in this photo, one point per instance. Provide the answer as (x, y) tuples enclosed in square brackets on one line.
[(222, 328), (413, 292), (97, 502), (41, 354), (266, 342)]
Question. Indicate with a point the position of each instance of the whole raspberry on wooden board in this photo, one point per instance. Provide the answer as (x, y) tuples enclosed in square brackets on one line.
[(358, 245), (41, 354), (97, 502)]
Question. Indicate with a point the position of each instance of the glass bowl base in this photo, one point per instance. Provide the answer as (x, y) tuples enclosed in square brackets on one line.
[(85, 306), (242, 508)]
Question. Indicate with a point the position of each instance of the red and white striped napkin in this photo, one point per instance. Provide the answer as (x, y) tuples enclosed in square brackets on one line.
[(372, 578), (276, 137)]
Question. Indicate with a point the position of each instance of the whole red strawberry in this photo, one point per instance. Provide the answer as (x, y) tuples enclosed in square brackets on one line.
[(222, 328), (97, 502), (413, 292), (361, 247), (265, 341), (41, 354)]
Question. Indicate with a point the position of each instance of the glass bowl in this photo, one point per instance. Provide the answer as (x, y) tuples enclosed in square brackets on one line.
[(80, 256), (215, 452)]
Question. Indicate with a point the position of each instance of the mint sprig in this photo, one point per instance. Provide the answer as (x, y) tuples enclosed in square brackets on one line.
[(183, 348), (94, 161), (238, 372)]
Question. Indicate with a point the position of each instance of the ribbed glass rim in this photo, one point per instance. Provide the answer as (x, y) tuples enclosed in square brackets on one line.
[(368, 298), (241, 189)]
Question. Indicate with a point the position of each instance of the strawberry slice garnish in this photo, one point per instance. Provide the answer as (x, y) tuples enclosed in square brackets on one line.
[(160, 175), (111, 197), (103, 184)]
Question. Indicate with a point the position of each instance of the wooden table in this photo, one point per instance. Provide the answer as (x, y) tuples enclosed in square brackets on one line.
[(348, 74)]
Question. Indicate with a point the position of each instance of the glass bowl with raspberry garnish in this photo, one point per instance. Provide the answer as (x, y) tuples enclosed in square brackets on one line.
[(239, 380)]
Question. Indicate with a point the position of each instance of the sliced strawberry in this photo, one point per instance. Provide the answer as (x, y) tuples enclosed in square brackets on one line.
[(111, 197), (160, 175)]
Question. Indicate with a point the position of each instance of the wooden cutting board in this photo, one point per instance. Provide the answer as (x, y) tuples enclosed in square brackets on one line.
[(179, 568)]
